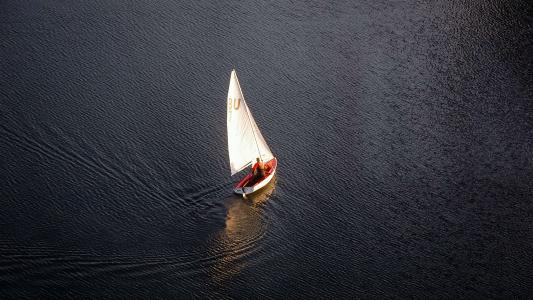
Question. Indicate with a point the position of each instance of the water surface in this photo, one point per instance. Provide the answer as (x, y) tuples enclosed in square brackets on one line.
[(403, 132)]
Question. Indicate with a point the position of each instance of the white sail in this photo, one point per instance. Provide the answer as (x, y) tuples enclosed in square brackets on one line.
[(245, 142)]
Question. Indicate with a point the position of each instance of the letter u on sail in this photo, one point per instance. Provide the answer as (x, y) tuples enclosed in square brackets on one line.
[(245, 142)]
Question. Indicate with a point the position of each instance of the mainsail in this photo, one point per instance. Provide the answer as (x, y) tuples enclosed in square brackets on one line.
[(245, 142)]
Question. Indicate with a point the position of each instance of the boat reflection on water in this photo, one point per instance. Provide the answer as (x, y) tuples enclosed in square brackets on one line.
[(246, 224)]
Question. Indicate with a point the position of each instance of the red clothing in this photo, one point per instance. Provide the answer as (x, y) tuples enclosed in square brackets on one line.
[(258, 169), (257, 165)]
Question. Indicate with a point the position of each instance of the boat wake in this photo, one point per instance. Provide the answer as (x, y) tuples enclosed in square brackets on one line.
[(158, 230), (220, 257)]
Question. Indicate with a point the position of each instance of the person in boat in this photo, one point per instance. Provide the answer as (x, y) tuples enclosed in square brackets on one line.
[(258, 170)]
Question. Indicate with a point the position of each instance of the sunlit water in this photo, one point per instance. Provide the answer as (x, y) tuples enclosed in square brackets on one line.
[(403, 132)]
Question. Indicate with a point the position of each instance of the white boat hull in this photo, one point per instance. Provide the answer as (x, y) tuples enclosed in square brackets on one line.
[(251, 189), (255, 188)]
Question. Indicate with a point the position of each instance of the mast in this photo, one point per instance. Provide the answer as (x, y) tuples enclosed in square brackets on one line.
[(248, 115)]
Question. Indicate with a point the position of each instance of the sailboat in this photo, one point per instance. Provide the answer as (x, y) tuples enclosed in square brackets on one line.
[(245, 142)]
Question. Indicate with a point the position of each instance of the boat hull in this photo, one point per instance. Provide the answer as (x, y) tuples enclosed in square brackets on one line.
[(244, 188)]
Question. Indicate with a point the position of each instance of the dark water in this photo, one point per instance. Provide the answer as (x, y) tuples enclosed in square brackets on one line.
[(403, 132)]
